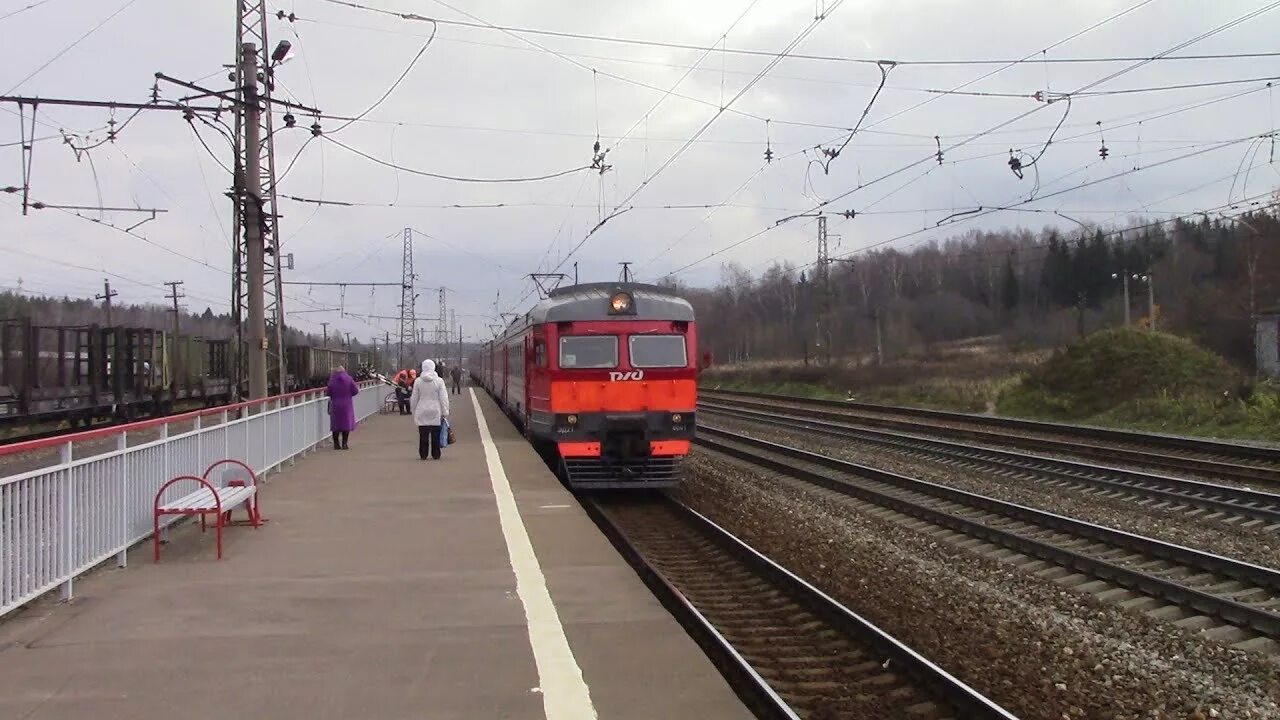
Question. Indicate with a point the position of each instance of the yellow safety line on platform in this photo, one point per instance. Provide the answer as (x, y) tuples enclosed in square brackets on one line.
[(564, 692)]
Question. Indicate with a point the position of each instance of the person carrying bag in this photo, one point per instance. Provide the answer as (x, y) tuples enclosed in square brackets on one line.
[(429, 404)]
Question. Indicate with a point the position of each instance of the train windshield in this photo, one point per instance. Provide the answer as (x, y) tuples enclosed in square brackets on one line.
[(588, 352), (657, 351)]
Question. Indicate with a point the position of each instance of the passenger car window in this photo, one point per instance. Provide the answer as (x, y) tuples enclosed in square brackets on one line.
[(588, 352), (658, 351)]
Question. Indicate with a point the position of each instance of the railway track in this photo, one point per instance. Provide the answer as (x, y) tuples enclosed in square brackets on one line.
[(1227, 600), (1205, 501), (790, 650), (1247, 464)]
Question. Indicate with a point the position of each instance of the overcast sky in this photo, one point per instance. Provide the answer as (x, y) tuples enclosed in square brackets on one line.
[(485, 104)]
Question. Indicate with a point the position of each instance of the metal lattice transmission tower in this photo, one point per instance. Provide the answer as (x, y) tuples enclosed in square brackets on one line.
[(442, 321), (408, 316), (253, 87)]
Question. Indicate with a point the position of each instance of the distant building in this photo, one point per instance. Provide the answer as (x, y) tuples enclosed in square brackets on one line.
[(1266, 342)]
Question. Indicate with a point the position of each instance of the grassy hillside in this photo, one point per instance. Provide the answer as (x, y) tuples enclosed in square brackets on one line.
[(1151, 381), (1109, 369)]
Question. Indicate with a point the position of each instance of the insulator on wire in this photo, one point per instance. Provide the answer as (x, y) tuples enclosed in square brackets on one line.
[(938, 141), (1103, 152), (1015, 164)]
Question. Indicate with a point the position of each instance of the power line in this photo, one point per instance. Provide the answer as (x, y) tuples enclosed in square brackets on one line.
[(985, 211), (682, 78), (67, 49), (631, 81), (454, 178), (798, 78), (32, 6), (519, 205), (619, 209), (884, 76), (394, 85), (1032, 111), (766, 53), (972, 215), (1005, 66)]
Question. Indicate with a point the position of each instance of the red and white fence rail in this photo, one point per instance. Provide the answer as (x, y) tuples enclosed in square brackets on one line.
[(59, 521)]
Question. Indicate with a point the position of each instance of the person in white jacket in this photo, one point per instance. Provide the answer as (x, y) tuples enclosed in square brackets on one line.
[(429, 405)]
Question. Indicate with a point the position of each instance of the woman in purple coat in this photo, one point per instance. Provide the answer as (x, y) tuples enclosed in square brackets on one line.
[(342, 407)]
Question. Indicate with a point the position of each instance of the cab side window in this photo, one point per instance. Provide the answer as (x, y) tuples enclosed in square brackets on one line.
[(540, 353)]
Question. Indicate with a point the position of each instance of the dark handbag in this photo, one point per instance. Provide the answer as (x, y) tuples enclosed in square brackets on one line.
[(452, 439)]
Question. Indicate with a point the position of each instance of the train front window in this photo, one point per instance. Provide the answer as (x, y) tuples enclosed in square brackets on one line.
[(584, 352), (658, 351)]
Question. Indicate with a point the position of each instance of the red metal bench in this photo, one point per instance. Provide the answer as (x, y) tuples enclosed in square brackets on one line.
[(209, 499)]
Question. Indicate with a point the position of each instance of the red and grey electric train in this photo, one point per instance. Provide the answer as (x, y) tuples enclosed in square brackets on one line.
[(606, 374)]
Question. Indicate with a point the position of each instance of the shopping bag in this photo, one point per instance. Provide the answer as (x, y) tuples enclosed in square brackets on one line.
[(444, 433)]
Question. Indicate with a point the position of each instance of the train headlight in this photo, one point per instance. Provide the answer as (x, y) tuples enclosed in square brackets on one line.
[(621, 304), (572, 419), (677, 418)]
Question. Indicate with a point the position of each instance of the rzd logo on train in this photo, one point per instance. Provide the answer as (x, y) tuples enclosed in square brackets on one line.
[(629, 375)]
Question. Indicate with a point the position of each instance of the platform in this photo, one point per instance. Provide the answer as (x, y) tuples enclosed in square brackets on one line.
[(382, 587)]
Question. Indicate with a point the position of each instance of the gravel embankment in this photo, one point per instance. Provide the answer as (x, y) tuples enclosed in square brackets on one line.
[(1247, 544), (1041, 651)]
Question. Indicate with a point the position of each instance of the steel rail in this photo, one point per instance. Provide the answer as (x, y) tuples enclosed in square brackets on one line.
[(1237, 613), (1226, 467), (966, 701), (1227, 499)]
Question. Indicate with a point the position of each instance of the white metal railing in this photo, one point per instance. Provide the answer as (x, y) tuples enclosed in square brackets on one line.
[(59, 521)]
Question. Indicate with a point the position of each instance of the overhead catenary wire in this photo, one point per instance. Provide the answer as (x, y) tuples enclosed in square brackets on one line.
[(70, 47), (408, 68), (1005, 123), (815, 79), (939, 153), (23, 9), (511, 29), (968, 216), (643, 118), (454, 178), (619, 208)]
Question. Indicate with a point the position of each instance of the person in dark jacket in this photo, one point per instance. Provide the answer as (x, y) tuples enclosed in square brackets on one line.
[(342, 407), (455, 374)]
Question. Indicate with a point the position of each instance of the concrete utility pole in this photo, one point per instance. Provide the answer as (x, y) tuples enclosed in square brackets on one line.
[(824, 280), (254, 224), (1151, 301), (177, 326), (105, 297), (257, 281), (1124, 277), (324, 330), (459, 346)]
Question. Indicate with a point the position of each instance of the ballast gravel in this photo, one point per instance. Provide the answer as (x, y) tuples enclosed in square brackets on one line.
[(1254, 545), (1041, 651)]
